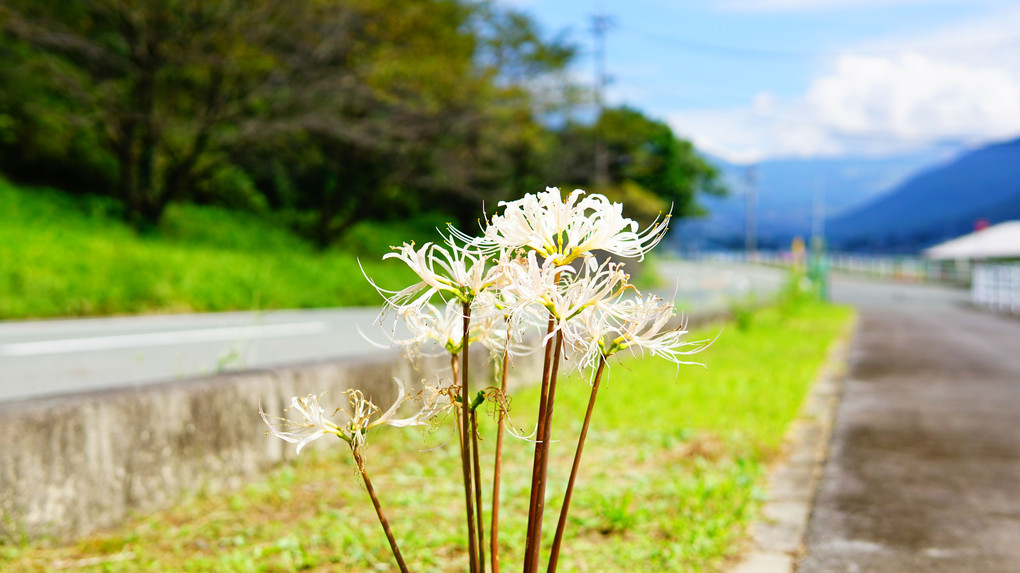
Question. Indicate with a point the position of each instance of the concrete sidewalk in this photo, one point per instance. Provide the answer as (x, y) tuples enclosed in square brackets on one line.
[(923, 472)]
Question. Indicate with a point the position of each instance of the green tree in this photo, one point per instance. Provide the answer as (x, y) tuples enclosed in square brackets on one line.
[(649, 167), (42, 136), (430, 107), (155, 79), (647, 152)]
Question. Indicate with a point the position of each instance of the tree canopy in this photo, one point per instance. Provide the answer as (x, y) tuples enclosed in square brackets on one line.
[(324, 112)]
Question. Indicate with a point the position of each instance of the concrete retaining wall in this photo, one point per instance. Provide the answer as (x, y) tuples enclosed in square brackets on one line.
[(75, 464)]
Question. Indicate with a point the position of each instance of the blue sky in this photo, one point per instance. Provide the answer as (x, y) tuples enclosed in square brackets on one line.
[(756, 79)]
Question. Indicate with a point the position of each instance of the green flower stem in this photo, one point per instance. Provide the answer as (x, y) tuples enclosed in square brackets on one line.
[(554, 553), (378, 511), (465, 448)]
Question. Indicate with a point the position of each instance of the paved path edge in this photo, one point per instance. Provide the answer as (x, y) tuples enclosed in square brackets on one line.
[(776, 538)]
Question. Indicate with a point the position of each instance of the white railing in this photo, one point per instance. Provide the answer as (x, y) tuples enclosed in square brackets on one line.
[(997, 287), (901, 268)]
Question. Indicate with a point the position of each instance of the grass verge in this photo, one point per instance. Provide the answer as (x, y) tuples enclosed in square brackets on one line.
[(671, 477), (72, 256)]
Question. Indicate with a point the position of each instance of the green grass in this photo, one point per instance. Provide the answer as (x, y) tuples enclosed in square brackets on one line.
[(671, 478), (66, 256)]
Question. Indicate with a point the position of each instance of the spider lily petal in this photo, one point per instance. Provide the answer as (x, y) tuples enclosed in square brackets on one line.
[(567, 229), (387, 417), (312, 425)]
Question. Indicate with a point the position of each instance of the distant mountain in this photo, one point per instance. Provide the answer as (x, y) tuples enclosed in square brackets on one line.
[(788, 193), (937, 204)]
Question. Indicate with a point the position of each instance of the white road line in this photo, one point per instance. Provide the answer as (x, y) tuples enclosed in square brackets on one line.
[(232, 333)]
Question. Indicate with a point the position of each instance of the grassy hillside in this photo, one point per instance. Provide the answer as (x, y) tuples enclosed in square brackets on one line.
[(70, 256)]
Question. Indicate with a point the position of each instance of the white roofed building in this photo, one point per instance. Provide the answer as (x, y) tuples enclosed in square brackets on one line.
[(995, 279), (1000, 241)]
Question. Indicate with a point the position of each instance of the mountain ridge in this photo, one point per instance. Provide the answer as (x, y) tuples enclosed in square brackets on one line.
[(936, 204), (788, 192)]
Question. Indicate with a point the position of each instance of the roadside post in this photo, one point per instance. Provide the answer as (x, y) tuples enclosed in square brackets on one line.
[(818, 268)]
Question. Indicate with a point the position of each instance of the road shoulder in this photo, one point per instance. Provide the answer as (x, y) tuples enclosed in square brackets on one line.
[(777, 537)]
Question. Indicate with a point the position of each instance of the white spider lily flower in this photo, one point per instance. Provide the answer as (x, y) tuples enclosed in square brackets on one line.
[(560, 289), (638, 325), (314, 423), (461, 271), (599, 287), (503, 321), (530, 282), (619, 235), (430, 324), (360, 414), (437, 399), (645, 329), (585, 335), (565, 230), (444, 326)]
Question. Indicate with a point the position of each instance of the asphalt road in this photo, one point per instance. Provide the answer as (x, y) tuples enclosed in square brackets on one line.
[(46, 358), (924, 469), (43, 358)]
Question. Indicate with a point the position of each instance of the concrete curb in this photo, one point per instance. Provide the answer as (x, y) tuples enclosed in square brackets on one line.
[(777, 538)]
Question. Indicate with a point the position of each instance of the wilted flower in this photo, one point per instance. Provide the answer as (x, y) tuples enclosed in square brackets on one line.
[(312, 426), (314, 423)]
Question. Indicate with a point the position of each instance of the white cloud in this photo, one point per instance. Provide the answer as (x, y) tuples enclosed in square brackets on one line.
[(741, 136), (893, 93), (865, 105), (911, 96)]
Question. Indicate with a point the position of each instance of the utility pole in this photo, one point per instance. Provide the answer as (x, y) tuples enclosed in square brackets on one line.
[(751, 210), (818, 269), (818, 212), (599, 24)]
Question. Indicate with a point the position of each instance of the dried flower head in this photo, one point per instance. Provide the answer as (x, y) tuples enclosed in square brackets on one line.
[(313, 423)]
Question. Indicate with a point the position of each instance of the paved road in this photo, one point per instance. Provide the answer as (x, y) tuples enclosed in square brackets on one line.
[(55, 357), (924, 470), (706, 287), (43, 358)]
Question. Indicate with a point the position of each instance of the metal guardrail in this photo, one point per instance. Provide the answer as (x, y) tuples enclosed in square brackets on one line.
[(903, 268), (997, 287)]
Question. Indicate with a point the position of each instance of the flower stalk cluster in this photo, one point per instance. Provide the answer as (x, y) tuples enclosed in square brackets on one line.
[(540, 266)]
